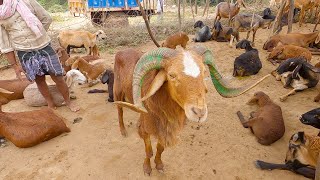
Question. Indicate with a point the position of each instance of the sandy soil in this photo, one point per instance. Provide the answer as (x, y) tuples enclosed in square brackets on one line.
[(220, 148)]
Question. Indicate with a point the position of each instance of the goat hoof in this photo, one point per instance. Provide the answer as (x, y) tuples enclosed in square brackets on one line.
[(159, 167), (147, 168), (282, 99), (124, 133), (110, 100)]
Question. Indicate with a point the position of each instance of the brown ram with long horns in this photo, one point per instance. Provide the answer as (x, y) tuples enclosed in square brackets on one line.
[(173, 87)]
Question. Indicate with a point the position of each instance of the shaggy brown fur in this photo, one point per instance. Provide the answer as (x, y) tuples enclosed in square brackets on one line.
[(165, 117), (283, 52), (180, 38), (297, 39), (266, 123), (16, 86)]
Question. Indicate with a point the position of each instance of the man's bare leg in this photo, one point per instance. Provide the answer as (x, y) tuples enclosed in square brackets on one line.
[(44, 90), (64, 90)]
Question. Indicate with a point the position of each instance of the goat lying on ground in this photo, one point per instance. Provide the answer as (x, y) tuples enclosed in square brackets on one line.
[(284, 52), (64, 56), (311, 118), (166, 87), (16, 86), (224, 34), (297, 39), (247, 22), (224, 11), (27, 129), (301, 157), (203, 34), (74, 76), (247, 63), (297, 73), (77, 39), (266, 123), (180, 38), (91, 71)]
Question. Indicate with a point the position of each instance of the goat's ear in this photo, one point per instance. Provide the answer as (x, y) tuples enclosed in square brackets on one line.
[(69, 81), (4, 91), (317, 39), (105, 78), (301, 137), (59, 52), (157, 82), (230, 31)]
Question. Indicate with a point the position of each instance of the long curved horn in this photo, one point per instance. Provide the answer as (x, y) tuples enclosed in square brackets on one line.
[(149, 61), (218, 81)]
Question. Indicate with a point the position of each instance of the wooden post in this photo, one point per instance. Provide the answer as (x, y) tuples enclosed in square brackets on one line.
[(194, 20), (147, 24), (179, 14), (290, 15)]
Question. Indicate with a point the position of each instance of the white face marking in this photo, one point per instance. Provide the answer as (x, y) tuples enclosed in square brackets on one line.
[(191, 68)]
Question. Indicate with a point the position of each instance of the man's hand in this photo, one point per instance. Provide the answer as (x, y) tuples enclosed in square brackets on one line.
[(18, 70)]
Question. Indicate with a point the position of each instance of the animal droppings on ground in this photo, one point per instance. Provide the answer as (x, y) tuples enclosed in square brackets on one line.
[(73, 97), (77, 120), (3, 143)]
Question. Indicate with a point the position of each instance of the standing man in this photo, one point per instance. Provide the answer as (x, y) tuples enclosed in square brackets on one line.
[(23, 26)]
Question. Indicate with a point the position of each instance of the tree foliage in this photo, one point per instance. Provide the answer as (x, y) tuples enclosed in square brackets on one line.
[(54, 5)]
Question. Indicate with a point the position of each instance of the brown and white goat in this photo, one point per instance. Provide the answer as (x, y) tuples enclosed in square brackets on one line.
[(91, 71), (297, 39), (302, 157), (224, 34), (267, 123), (77, 39), (227, 10), (26, 129), (180, 38), (16, 86), (166, 87), (283, 52), (248, 22)]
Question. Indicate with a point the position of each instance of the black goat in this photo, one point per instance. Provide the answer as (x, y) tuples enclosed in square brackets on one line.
[(267, 14), (247, 63), (297, 73), (311, 118), (203, 34), (108, 77)]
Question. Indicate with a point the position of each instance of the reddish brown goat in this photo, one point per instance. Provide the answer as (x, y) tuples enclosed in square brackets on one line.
[(297, 39), (166, 87), (266, 123), (16, 86), (27, 129), (176, 39), (283, 52)]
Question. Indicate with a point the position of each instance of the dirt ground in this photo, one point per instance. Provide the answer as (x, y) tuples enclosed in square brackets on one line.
[(220, 148)]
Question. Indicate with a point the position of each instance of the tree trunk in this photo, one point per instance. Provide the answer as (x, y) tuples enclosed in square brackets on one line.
[(276, 24), (147, 24), (290, 15), (206, 8), (179, 14), (183, 8), (194, 20), (196, 6)]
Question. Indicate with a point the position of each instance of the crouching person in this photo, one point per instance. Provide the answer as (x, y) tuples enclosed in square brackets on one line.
[(23, 26)]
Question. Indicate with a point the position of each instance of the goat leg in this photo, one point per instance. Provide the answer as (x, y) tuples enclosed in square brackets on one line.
[(157, 159), (284, 97), (304, 171), (148, 148), (246, 123)]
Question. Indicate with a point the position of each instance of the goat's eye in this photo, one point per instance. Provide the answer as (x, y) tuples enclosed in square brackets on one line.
[(172, 75)]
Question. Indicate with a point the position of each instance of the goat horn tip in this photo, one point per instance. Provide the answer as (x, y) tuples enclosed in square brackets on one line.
[(137, 108)]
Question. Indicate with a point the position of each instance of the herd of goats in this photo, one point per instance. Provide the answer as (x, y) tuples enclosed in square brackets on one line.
[(167, 86)]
